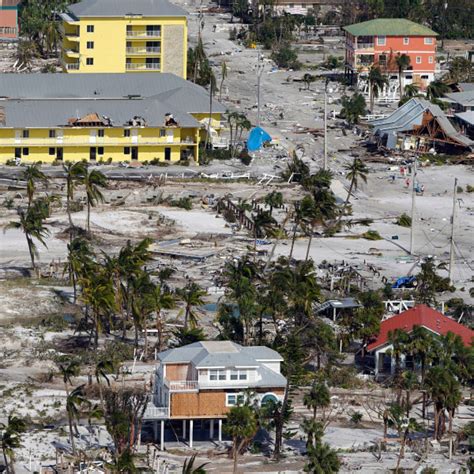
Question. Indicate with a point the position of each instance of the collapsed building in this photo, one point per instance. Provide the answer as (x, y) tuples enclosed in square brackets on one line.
[(419, 125)]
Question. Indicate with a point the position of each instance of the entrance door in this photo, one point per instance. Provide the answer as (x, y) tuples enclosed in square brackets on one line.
[(167, 154), (59, 154), (134, 153), (93, 154)]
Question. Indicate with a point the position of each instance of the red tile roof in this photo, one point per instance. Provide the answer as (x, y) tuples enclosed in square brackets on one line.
[(421, 315)]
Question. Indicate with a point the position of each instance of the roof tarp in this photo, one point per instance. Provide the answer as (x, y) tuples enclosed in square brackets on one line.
[(257, 137)]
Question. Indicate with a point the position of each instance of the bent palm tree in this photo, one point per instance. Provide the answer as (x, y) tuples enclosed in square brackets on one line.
[(93, 181), (377, 81), (436, 89), (73, 173), (10, 440), (32, 174), (403, 62), (74, 401), (192, 295)]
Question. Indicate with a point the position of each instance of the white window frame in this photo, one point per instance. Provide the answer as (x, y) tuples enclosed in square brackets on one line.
[(219, 374), (430, 59), (237, 396), (428, 40), (418, 60), (406, 40), (381, 40), (241, 375)]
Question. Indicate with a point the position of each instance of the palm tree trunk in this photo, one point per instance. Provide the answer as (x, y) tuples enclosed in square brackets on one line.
[(293, 240), (5, 457), (145, 346), (30, 250), (236, 457), (88, 216), (309, 245)]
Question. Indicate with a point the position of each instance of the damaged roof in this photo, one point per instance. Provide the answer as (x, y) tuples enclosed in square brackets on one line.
[(409, 115), (49, 100), (120, 8), (55, 113), (465, 98)]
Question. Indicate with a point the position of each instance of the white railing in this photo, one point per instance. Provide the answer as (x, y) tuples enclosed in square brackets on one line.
[(143, 33), (72, 51), (364, 45), (142, 67), (182, 385), (147, 50), (72, 66), (153, 412)]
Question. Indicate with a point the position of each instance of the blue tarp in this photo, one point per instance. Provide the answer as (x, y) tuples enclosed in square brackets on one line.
[(257, 137)]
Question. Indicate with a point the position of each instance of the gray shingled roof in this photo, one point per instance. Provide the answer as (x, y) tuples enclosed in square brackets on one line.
[(184, 95), (53, 113), (467, 117), (114, 8), (219, 354)]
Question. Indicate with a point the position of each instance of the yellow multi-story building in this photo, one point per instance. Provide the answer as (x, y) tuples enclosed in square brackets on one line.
[(124, 36), (103, 117)]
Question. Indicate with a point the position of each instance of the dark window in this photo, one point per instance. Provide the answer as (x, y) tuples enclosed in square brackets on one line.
[(52, 134), (26, 151), (52, 152), (26, 134), (100, 150), (90, 61), (126, 150), (100, 133), (59, 154), (162, 132), (90, 28), (17, 152), (126, 132), (167, 154), (90, 45), (92, 153), (134, 153)]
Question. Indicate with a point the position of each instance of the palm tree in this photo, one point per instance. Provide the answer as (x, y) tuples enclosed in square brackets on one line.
[(160, 299), (78, 261), (223, 77), (317, 397), (403, 62), (93, 180), (273, 199), (377, 81), (322, 459), (74, 401), (355, 172), (10, 440), (73, 173), (32, 174), (436, 89), (31, 223), (192, 295), (103, 368), (188, 467), (242, 426), (411, 90), (353, 108), (26, 52), (68, 371)]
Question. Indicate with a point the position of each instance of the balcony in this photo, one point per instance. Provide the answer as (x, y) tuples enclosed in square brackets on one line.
[(153, 412), (72, 36), (364, 46), (133, 34), (71, 66), (182, 385), (149, 51), (72, 53), (142, 67)]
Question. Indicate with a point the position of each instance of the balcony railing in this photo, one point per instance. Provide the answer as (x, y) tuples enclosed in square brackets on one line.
[(364, 45), (143, 34), (153, 412), (71, 66), (148, 50), (142, 67), (72, 36), (182, 385)]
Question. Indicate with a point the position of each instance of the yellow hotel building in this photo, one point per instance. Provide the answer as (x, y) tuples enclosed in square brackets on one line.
[(109, 117), (124, 36)]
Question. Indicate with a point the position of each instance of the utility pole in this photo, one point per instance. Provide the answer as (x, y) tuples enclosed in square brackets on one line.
[(325, 165), (413, 199), (453, 222), (260, 67)]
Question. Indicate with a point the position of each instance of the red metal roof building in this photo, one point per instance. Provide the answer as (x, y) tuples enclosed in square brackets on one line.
[(421, 315)]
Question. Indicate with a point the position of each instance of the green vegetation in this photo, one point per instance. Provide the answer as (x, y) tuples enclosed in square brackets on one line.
[(372, 235), (404, 220), (353, 108)]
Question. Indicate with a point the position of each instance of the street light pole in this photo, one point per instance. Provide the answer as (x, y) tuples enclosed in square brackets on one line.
[(260, 67), (325, 165), (413, 208), (453, 220)]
